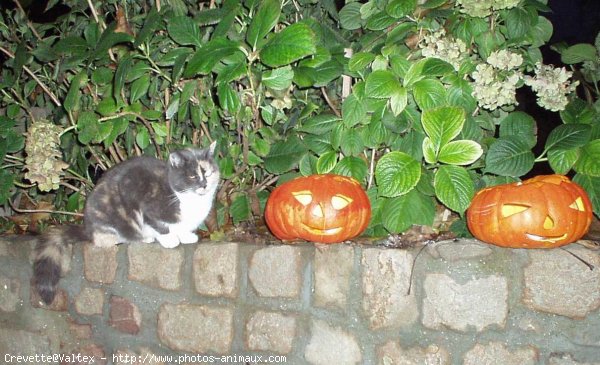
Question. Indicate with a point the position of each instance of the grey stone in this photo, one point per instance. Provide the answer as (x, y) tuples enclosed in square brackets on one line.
[(461, 250), (275, 271), (196, 328), (333, 271), (216, 269), (558, 283), (89, 301), (100, 263), (496, 353), (272, 332), (331, 345), (385, 282), (9, 294), (393, 354), (458, 306), (155, 266)]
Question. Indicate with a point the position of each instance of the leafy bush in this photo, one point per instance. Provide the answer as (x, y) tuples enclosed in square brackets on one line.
[(415, 99)]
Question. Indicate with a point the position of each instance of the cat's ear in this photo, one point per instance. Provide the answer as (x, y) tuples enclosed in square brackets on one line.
[(211, 149), (175, 159)]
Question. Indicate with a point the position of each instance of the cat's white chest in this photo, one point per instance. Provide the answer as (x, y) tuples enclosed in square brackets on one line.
[(194, 209)]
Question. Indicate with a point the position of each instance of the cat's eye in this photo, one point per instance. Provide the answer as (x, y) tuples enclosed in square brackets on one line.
[(207, 173), (193, 177)]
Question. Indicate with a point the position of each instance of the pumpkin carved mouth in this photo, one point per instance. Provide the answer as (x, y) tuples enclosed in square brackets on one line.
[(323, 232)]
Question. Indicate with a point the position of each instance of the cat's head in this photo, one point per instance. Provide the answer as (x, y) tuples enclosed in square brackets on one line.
[(194, 170)]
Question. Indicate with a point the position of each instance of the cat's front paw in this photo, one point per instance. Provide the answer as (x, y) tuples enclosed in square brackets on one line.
[(188, 237), (168, 240)]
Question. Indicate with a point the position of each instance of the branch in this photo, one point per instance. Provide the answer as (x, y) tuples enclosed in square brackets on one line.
[(39, 82)]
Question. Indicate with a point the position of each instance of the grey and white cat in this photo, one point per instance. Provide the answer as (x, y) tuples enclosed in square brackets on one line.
[(143, 199)]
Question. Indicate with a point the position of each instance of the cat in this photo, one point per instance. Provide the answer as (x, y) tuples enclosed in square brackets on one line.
[(142, 199)]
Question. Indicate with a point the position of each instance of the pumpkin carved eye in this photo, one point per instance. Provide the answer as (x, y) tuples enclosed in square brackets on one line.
[(578, 205), (339, 202), (303, 197), (512, 209)]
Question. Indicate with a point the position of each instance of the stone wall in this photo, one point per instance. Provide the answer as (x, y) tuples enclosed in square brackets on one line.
[(469, 303)]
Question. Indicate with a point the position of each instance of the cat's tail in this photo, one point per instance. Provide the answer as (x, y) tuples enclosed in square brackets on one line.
[(51, 258)]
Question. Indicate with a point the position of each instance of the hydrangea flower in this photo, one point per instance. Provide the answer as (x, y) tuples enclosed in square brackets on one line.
[(483, 8), (552, 85), (440, 46), (44, 162), (495, 82)]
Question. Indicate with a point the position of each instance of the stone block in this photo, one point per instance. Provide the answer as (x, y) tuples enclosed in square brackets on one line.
[(9, 294), (89, 301), (271, 332), (460, 250), (392, 353), (558, 283), (333, 271), (567, 359), (124, 315), (385, 282), (79, 330), (216, 269), (331, 345), (140, 357), (100, 263), (477, 303), (275, 271), (496, 353), (196, 328), (155, 266), (90, 354), (19, 342)]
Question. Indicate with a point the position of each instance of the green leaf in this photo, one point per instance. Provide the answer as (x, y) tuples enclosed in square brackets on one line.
[(151, 24), (203, 61), (6, 185), (121, 76), (279, 78), (326, 162), (142, 138), (518, 22), (562, 161), (291, 44), (109, 39), (352, 166), (568, 136), (399, 101), (591, 184), (308, 165), (139, 88), (400, 213), (429, 93), (397, 173), (443, 124), (240, 208), (351, 142), (228, 98), (400, 8), (578, 112), (354, 111), (509, 157), (436, 67), (359, 61), (263, 22), (579, 53), (463, 152), (519, 124), (350, 16), (73, 97), (589, 160), (454, 187), (285, 155), (429, 152), (541, 32), (320, 124), (184, 31), (382, 84), (379, 21)]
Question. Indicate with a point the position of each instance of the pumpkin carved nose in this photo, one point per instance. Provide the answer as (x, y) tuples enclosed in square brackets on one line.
[(317, 211)]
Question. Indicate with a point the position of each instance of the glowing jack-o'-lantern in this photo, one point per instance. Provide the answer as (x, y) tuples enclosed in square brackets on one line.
[(543, 212), (320, 208)]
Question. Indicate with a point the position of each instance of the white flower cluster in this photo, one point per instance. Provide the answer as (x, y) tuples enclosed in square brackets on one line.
[(495, 82), (44, 162), (440, 46), (483, 8), (552, 85)]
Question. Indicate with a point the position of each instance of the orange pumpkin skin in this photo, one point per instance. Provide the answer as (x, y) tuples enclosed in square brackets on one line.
[(319, 208), (542, 212)]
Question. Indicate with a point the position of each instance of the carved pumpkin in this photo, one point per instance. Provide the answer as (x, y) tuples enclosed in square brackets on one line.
[(320, 208), (543, 212)]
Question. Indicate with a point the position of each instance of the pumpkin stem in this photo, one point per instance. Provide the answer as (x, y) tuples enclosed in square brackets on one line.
[(590, 266)]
